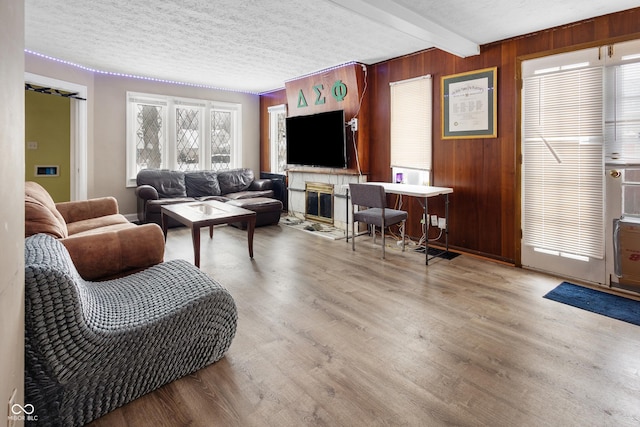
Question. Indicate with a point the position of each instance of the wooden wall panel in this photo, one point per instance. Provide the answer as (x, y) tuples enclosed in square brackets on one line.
[(305, 88), (622, 24), (303, 93), (485, 206)]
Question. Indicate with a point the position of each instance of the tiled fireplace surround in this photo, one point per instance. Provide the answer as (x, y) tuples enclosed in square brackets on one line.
[(339, 178)]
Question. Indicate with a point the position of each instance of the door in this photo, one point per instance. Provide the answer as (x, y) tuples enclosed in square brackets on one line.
[(622, 149), (563, 170), (580, 130)]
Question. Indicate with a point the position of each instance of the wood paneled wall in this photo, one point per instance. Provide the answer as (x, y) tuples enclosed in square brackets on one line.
[(352, 76), (484, 215)]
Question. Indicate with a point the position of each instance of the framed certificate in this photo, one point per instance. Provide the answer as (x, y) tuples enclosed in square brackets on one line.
[(469, 104)]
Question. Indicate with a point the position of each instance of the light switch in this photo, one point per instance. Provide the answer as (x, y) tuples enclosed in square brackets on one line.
[(32, 145)]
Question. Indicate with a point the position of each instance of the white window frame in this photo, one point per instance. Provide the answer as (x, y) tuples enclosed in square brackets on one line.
[(236, 131), (274, 112), (411, 129), (169, 153)]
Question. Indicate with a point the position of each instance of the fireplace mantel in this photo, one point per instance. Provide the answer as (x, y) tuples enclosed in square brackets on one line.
[(323, 171)]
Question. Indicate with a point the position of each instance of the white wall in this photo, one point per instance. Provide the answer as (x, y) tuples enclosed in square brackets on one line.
[(12, 207), (107, 123)]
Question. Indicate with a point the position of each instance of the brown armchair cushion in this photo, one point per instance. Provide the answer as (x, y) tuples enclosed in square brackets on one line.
[(41, 215), (98, 224), (116, 250), (41, 219), (81, 210)]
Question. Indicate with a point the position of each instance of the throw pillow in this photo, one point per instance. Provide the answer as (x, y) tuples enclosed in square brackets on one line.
[(168, 184), (202, 183), (235, 180)]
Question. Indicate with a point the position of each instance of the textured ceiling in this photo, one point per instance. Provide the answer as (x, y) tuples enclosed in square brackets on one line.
[(257, 45)]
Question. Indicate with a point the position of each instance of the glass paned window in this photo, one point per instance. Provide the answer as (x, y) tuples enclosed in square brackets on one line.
[(188, 138), (278, 138), (282, 142), (220, 140), (181, 134), (622, 122), (149, 136)]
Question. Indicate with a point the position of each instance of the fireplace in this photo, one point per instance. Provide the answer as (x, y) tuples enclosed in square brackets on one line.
[(319, 202), (336, 181)]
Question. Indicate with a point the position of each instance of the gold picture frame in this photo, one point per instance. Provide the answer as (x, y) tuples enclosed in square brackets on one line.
[(470, 104)]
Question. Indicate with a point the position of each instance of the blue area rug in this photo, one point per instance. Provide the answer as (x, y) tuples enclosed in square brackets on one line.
[(609, 305)]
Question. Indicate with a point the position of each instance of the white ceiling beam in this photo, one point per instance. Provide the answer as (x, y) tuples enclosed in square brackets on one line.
[(400, 18)]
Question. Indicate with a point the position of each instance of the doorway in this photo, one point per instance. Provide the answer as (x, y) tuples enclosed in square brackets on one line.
[(576, 124), (47, 142), (78, 176)]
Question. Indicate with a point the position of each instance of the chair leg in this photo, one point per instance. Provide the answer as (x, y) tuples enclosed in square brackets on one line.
[(403, 226), (373, 231), (383, 242), (353, 235)]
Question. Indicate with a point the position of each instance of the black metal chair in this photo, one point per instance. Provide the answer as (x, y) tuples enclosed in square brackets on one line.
[(374, 199)]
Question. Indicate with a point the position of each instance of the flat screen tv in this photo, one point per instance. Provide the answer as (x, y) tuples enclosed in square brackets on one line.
[(317, 140)]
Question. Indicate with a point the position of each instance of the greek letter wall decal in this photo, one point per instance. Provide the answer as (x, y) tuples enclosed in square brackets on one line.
[(319, 98), (302, 102), (339, 90)]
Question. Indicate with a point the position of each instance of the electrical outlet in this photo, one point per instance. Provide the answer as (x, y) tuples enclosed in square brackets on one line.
[(442, 223), (354, 124), (434, 220)]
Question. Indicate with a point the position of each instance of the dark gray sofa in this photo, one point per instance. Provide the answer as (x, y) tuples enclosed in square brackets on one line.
[(161, 187)]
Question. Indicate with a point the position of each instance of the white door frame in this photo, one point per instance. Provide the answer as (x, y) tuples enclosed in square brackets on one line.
[(78, 143), (591, 270)]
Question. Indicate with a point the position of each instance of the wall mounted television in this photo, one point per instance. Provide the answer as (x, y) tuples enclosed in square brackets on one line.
[(317, 140)]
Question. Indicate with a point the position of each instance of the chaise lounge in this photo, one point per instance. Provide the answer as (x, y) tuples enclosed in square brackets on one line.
[(91, 347)]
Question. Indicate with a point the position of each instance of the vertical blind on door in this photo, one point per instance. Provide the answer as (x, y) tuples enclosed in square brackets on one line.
[(563, 162)]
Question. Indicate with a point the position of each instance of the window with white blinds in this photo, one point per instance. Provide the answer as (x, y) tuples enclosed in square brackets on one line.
[(622, 119), (411, 114), (563, 162)]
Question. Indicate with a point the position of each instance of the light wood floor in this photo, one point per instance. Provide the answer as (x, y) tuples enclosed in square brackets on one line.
[(331, 337)]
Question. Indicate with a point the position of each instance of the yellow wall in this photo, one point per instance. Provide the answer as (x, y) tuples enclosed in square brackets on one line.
[(47, 124)]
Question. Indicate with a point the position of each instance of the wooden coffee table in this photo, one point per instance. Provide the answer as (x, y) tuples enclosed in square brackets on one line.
[(196, 215)]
